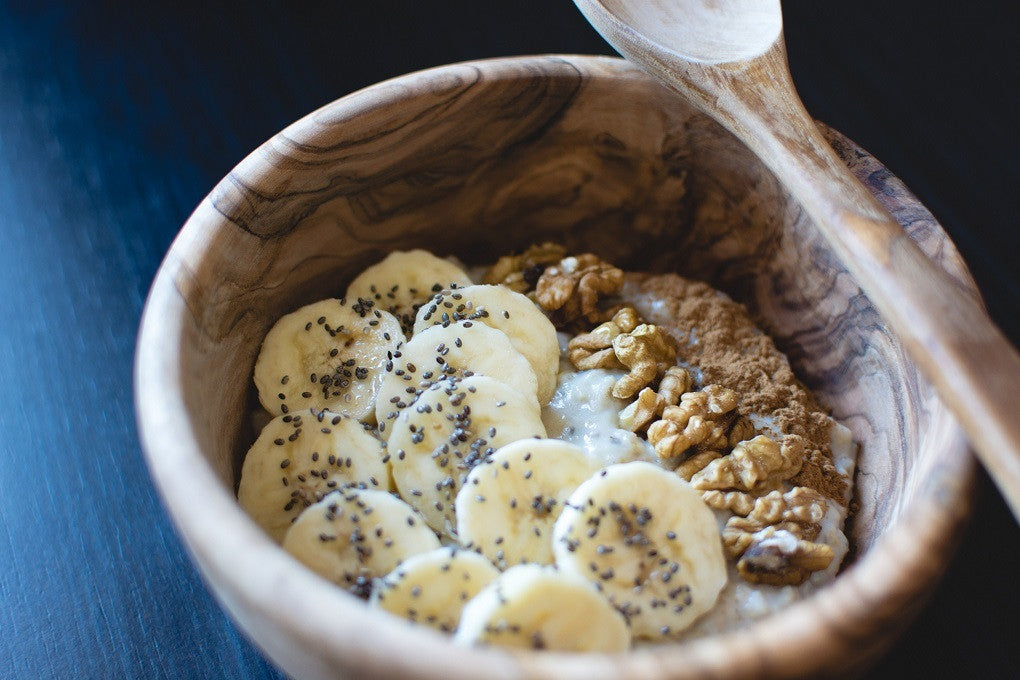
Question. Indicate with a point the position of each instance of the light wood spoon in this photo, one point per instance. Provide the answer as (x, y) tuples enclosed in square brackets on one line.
[(729, 58)]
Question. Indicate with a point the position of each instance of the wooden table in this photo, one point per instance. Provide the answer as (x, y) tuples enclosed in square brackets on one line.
[(115, 120)]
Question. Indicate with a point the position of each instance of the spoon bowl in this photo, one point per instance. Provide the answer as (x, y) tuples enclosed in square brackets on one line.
[(702, 31)]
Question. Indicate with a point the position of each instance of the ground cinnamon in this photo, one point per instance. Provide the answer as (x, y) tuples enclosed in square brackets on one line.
[(717, 336)]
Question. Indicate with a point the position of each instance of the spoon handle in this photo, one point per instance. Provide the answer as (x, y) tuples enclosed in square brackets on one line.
[(944, 328)]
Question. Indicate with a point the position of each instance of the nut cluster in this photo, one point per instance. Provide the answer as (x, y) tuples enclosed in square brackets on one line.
[(774, 520), (772, 533), (650, 403)]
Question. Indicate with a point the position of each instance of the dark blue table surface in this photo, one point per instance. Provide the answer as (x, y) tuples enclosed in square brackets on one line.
[(117, 118)]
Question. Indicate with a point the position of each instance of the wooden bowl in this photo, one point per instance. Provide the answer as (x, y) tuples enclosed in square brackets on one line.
[(477, 159)]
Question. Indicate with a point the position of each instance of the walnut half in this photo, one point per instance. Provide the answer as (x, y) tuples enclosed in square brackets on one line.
[(647, 352), (521, 272), (756, 464), (595, 348), (700, 419), (780, 560), (775, 542), (572, 288), (650, 403)]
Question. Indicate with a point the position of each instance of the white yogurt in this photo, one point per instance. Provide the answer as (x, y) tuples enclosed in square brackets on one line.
[(584, 412)]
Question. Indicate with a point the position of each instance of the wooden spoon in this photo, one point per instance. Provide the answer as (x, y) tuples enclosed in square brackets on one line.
[(728, 57)]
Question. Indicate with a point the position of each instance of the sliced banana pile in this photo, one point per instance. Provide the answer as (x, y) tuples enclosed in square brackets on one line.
[(528, 329), (459, 350), (409, 415)]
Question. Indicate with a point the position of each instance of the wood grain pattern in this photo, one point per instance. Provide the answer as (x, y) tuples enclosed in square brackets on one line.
[(604, 159), (750, 92)]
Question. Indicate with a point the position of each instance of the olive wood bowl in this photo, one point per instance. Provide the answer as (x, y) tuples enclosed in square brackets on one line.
[(478, 159)]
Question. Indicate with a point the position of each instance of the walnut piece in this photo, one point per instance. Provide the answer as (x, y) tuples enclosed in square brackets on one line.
[(647, 351), (700, 419), (521, 272), (777, 560), (595, 348), (798, 511), (756, 464), (742, 429), (805, 506), (643, 410), (775, 542), (737, 502), (650, 403), (572, 288), (696, 464)]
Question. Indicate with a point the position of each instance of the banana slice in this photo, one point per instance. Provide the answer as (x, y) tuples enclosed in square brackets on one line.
[(404, 280), (530, 331), (645, 538), (329, 354), (433, 587), (351, 537), (300, 457), (454, 425), (508, 504), (461, 349), (540, 608)]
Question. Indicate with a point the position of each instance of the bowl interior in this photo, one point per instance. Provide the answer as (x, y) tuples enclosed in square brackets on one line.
[(478, 159)]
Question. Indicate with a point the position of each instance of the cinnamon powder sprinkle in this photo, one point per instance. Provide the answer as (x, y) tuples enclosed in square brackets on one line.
[(717, 336)]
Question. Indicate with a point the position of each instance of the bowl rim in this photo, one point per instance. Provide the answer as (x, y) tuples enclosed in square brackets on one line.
[(320, 616)]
